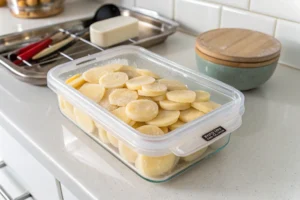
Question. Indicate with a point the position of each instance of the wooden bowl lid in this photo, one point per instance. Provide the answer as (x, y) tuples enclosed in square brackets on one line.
[(238, 45)]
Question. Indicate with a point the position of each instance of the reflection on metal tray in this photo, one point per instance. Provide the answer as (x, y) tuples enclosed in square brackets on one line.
[(153, 29)]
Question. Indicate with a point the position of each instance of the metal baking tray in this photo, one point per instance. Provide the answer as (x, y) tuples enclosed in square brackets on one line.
[(153, 29)]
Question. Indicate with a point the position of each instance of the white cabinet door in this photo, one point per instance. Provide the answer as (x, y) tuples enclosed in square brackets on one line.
[(67, 195), (35, 178)]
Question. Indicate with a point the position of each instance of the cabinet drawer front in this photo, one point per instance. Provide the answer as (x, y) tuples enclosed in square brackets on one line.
[(37, 180)]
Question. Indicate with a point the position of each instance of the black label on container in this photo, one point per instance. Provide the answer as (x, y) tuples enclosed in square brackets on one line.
[(214, 133)]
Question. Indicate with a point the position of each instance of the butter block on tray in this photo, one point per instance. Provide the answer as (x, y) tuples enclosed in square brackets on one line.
[(113, 31)]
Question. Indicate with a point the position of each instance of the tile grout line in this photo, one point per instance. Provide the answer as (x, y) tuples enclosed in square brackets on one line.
[(220, 18), (275, 28), (254, 12), (174, 4), (249, 5)]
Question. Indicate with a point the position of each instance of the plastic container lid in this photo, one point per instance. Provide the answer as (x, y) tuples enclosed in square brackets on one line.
[(183, 141)]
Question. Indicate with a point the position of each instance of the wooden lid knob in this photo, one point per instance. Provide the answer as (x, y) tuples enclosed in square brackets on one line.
[(238, 45)]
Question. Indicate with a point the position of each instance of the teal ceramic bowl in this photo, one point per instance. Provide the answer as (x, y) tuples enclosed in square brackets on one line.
[(240, 77)]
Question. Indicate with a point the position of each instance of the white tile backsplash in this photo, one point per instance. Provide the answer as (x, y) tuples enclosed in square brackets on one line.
[(163, 7), (197, 16), (285, 9), (235, 3), (235, 18), (289, 35)]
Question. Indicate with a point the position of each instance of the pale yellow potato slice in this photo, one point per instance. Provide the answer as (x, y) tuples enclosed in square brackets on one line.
[(102, 135), (173, 84), (164, 118), (130, 71), (159, 98), (138, 124), (181, 96), (127, 153), (94, 74), (72, 78), (93, 91), (141, 110), (77, 82), (156, 89), (150, 130), (205, 107), (113, 80), (105, 100), (171, 105), (66, 108), (190, 115), (121, 97), (137, 82), (132, 123), (121, 114), (194, 156), (146, 72), (84, 121), (145, 98), (149, 94), (164, 129), (202, 95), (112, 140), (155, 166), (176, 125)]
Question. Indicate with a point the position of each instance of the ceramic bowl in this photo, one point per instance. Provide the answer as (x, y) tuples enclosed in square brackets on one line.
[(240, 76)]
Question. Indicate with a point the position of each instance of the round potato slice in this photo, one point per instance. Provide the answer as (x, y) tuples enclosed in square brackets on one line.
[(146, 72), (76, 82), (202, 95), (112, 140), (138, 124), (94, 74), (159, 98), (155, 166), (84, 121), (156, 89), (205, 107), (102, 135), (72, 78), (93, 91), (171, 105), (142, 110), (181, 96), (127, 153), (194, 156), (190, 115), (150, 130), (121, 114), (66, 108), (164, 129), (137, 82), (105, 100), (130, 71), (113, 80), (176, 125), (164, 118), (121, 97), (173, 84)]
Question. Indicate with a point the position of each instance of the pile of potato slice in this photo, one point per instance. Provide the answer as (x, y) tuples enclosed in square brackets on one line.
[(143, 100)]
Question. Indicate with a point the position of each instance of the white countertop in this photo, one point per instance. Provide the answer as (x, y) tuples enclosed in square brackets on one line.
[(260, 162)]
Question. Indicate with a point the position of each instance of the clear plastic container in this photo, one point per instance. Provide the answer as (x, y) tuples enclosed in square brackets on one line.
[(172, 153), (35, 8)]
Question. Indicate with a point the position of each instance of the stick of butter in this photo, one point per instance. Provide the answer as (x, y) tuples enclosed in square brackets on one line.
[(113, 31)]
